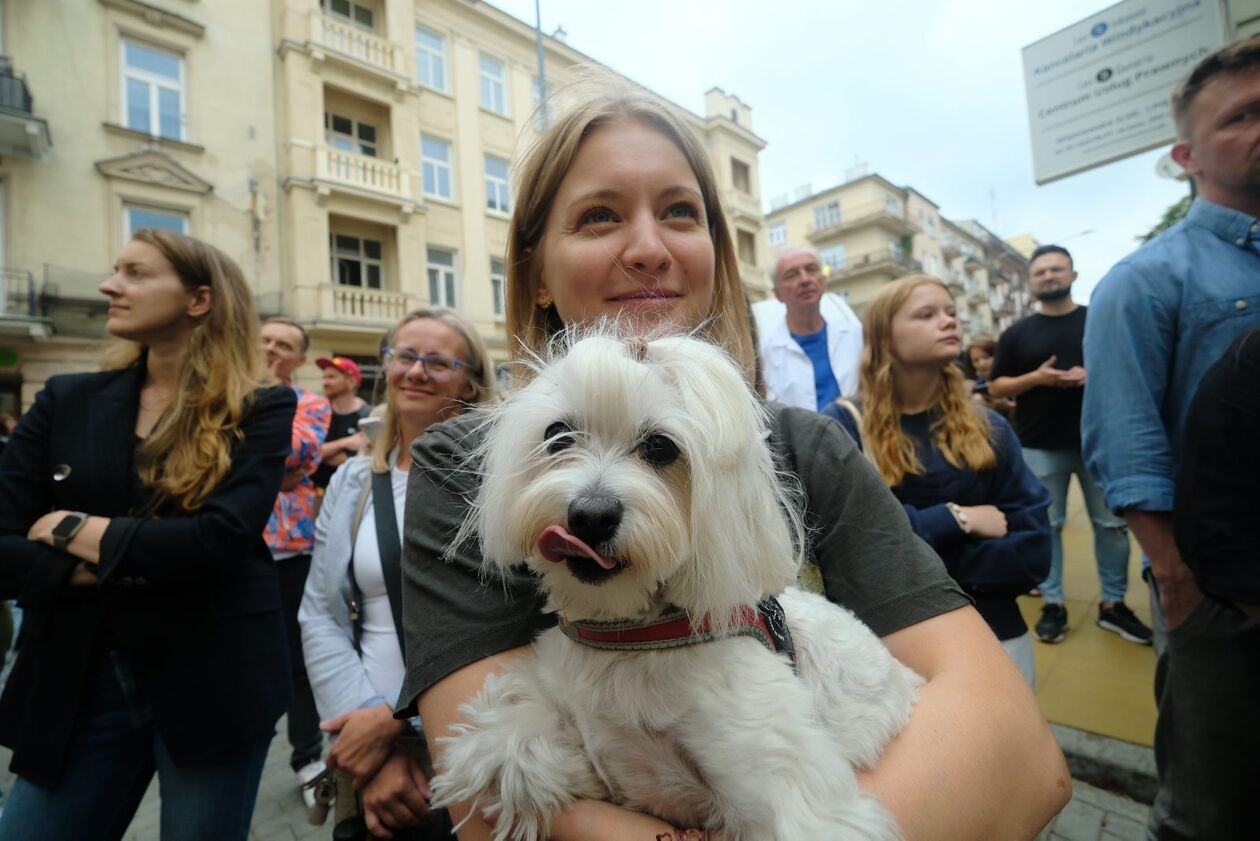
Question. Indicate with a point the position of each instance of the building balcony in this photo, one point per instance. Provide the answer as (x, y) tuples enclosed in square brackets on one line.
[(21, 310), (889, 217), (349, 45), (354, 305), (363, 176), (22, 134), (885, 260)]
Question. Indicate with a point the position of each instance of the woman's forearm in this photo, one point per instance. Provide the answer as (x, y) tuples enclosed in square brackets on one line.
[(977, 760)]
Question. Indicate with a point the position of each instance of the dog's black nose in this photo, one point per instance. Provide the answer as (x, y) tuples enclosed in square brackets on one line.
[(594, 519)]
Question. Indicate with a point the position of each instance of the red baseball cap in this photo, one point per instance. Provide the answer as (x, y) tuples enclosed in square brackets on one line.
[(346, 366)]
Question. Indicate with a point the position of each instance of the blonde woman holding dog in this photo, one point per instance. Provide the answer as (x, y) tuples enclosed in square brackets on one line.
[(957, 468), (617, 214), (436, 366)]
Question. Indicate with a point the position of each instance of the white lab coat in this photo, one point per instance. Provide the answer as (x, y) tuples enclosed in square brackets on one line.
[(788, 372)]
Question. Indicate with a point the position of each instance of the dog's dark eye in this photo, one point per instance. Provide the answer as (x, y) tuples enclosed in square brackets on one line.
[(558, 437), (659, 451)]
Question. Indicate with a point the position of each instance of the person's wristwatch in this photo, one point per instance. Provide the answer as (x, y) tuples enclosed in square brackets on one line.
[(69, 526)]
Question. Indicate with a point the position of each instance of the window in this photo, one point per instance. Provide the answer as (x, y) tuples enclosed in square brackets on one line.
[(778, 233), (430, 58), (832, 255), (497, 196), (153, 90), (349, 135), (441, 277), (746, 245), (493, 78), (498, 286), (357, 261), (734, 116), (826, 215), (136, 217), (358, 14), (893, 205), (741, 176), (435, 157)]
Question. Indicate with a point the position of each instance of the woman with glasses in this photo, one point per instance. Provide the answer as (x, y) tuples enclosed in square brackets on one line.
[(436, 366)]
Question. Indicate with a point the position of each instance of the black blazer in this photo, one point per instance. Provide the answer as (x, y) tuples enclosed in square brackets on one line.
[(191, 601)]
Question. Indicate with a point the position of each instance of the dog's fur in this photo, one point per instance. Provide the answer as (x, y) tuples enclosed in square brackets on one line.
[(720, 735)]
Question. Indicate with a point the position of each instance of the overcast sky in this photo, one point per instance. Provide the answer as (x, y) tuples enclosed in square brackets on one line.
[(928, 93)]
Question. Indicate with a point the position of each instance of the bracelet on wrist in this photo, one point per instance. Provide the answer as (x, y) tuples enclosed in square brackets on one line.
[(959, 515)]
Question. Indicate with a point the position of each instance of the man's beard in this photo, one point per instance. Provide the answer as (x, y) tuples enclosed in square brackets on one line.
[(1053, 294)]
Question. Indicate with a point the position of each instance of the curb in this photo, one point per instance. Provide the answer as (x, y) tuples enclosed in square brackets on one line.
[(1109, 763)]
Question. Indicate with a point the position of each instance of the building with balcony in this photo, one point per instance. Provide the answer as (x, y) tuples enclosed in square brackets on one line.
[(869, 231), (354, 156)]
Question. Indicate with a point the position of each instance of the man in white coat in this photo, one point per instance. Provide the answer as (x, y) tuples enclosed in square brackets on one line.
[(811, 356)]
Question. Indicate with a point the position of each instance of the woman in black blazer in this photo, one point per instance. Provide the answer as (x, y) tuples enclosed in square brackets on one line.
[(132, 507)]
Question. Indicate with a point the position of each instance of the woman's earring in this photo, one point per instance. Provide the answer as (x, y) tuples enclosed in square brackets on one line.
[(544, 299)]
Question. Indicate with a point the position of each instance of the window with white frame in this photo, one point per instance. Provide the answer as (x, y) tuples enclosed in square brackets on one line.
[(498, 197), (430, 58), (832, 255), (498, 287), (153, 90), (435, 162), (350, 135), (826, 215), (357, 261), (778, 233), (493, 84), (441, 265), (137, 216), (358, 14)]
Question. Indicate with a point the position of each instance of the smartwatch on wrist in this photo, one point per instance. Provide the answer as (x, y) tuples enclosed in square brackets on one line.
[(69, 526)]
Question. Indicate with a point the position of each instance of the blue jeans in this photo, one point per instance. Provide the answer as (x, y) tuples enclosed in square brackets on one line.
[(1111, 536), (114, 751)]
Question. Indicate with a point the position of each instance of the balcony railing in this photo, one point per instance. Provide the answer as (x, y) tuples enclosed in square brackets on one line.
[(17, 294), (359, 171), (14, 94), (353, 303), (21, 132), (887, 215), (351, 41), (886, 258)]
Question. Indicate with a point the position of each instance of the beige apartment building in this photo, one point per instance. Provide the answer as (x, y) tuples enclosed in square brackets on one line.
[(869, 231), (354, 156)]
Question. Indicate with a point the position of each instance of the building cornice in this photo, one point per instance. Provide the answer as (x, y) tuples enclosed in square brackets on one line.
[(152, 166), (157, 16)]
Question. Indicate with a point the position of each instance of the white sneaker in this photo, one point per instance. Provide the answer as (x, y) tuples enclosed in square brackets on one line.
[(305, 774)]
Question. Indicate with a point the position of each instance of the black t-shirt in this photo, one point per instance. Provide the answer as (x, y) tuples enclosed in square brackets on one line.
[(1046, 417), (341, 426), (1218, 489)]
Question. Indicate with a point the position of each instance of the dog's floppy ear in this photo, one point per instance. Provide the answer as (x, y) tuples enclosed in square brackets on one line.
[(745, 531)]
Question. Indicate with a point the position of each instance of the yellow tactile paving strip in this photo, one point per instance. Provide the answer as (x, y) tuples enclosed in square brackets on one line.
[(1094, 680)]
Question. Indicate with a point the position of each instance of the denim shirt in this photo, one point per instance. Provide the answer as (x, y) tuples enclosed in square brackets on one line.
[(1159, 319)]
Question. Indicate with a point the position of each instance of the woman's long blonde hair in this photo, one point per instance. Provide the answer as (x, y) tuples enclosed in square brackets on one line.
[(480, 374), (959, 430), (189, 451), (603, 99)]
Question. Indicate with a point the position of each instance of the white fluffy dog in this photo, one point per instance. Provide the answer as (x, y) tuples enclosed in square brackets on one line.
[(634, 478)]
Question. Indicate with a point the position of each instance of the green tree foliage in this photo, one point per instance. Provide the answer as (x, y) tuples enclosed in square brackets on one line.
[(1172, 216)]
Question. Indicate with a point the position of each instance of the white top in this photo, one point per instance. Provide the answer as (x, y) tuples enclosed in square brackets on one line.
[(788, 372), (382, 655)]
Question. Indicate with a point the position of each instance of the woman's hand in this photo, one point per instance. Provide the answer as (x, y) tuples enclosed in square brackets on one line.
[(86, 545), (985, 521), (365, 740), (397, 797)]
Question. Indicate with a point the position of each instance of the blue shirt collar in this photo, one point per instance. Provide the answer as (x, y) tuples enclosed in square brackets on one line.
[(1231, 225)]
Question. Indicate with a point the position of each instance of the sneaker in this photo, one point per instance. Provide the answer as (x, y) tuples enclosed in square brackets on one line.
[(305, 774), (1119, 619), (1052, 626)]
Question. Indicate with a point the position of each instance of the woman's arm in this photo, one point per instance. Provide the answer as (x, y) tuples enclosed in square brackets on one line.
[(977, 760)]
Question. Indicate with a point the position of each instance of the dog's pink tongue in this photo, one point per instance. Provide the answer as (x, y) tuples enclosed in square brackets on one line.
[(556, 544)]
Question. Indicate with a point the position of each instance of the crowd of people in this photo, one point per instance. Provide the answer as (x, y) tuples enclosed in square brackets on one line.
[(189, 572)]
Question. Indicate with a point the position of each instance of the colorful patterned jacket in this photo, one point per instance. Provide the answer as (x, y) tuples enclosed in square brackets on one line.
[(291, 529)]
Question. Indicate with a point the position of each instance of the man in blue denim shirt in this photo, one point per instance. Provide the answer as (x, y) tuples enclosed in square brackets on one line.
[(1158, 320)]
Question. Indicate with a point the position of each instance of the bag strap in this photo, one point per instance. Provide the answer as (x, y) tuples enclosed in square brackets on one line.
[(356, 597), (851, 407), (389, 546)]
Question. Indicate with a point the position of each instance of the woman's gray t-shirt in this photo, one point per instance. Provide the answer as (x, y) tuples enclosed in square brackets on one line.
[(871, 561)]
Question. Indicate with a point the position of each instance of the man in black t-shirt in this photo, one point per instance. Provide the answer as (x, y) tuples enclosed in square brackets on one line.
[(1040, 361), (342, 379)]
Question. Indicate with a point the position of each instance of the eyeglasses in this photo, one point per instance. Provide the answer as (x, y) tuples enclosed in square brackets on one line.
[(438, 366)]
